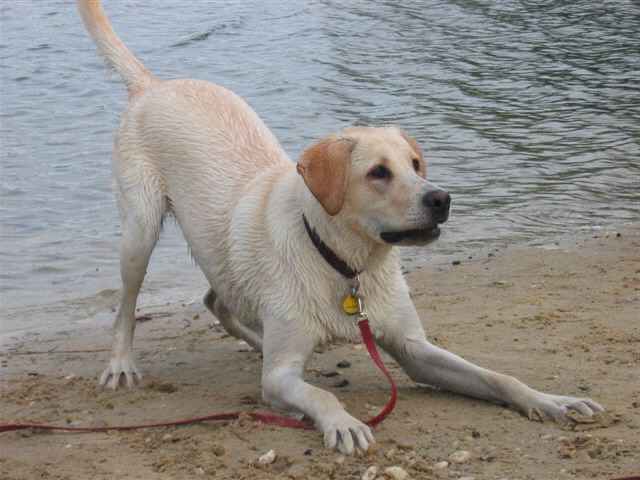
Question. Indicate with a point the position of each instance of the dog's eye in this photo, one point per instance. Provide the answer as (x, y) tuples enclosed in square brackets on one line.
[(416, 164), (380, 172)]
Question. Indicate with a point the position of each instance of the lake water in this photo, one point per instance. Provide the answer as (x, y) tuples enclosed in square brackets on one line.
[(529, 112)]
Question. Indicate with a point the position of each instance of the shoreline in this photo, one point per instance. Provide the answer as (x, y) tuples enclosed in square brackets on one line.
[(99, 308), (562, 318)]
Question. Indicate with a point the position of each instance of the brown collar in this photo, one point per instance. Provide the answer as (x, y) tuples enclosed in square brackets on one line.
[(329, 255)]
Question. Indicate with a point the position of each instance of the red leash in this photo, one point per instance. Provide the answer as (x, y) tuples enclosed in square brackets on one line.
[(268, 418)]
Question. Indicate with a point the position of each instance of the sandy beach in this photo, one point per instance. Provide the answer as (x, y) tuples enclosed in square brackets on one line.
[(563, 319)]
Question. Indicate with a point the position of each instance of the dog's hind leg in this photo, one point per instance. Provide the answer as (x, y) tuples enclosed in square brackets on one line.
[(141, 211), (230, 323)]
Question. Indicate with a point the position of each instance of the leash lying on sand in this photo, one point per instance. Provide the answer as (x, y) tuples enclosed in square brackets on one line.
[(262, 417)]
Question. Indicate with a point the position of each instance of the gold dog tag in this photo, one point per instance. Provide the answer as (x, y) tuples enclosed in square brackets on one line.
[(350, 305)]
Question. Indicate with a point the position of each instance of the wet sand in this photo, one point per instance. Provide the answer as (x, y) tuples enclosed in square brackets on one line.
[(563, 319)]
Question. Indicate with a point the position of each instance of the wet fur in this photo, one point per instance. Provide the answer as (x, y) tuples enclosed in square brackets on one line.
[(198, 151)]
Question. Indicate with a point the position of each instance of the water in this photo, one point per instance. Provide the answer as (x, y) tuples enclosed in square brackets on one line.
[(529, 113)]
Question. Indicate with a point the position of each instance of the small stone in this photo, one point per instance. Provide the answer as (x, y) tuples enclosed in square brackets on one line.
[(370, 473), (297, 471), (163, 387), (68, 445), (218, 450), (248, 400), (390, 453), (460, 456), (339, 459), (343, 364), (422, 466), (488, 455), (567, 450), (404, 445), (329, 373), (341, 383), (440, 465), (372, 408), (167, 437), (456, 262), (199, 471), (326, 468), (396, 473), (268, 458)]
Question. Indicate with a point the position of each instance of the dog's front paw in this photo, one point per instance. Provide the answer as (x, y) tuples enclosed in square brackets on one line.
[(121, 369), (346, 434), (557, 407)]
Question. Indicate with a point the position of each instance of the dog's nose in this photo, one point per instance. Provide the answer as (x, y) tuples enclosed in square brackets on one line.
[(439, 202)]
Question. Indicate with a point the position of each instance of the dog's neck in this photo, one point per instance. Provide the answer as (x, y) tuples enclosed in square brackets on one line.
[(342, 237)]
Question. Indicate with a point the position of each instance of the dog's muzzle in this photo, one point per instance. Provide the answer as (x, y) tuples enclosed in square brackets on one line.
[(439, 204)]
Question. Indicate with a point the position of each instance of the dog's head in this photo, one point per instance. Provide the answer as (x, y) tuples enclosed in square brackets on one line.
[(375, 178)]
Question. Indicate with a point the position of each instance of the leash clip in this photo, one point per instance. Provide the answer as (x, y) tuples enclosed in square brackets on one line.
[(361, 313), (353, 304), (355, 285)]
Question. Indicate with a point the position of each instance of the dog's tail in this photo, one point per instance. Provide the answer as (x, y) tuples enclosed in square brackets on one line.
[(133, 72)]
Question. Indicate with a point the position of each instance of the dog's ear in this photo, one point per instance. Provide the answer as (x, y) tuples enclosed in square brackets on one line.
[(418, 151), (325, 169)]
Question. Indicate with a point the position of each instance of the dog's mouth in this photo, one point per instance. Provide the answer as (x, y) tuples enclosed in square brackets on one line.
[(414, 236)]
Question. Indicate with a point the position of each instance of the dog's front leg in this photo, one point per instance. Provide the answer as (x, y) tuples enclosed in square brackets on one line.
[(286, 348), (431, 365)]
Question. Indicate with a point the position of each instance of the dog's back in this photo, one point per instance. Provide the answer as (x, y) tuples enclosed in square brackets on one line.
[(181, 144), (201, 142)]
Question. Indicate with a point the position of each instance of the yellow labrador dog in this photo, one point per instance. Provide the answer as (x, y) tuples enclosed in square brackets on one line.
[(280, 243)]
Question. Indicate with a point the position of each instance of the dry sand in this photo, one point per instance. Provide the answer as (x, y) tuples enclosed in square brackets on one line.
[(563, 320)]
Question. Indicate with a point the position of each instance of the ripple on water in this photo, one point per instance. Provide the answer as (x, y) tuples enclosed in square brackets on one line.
[(528, 114)]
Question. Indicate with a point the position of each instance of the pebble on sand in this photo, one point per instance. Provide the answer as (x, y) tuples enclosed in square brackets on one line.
[(396, 473), (297, 471), (460, 456), (370, 473), (440, 465), (267, 458)]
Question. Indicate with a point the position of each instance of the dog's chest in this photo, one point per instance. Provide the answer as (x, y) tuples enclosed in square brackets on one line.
[(329, 314)]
